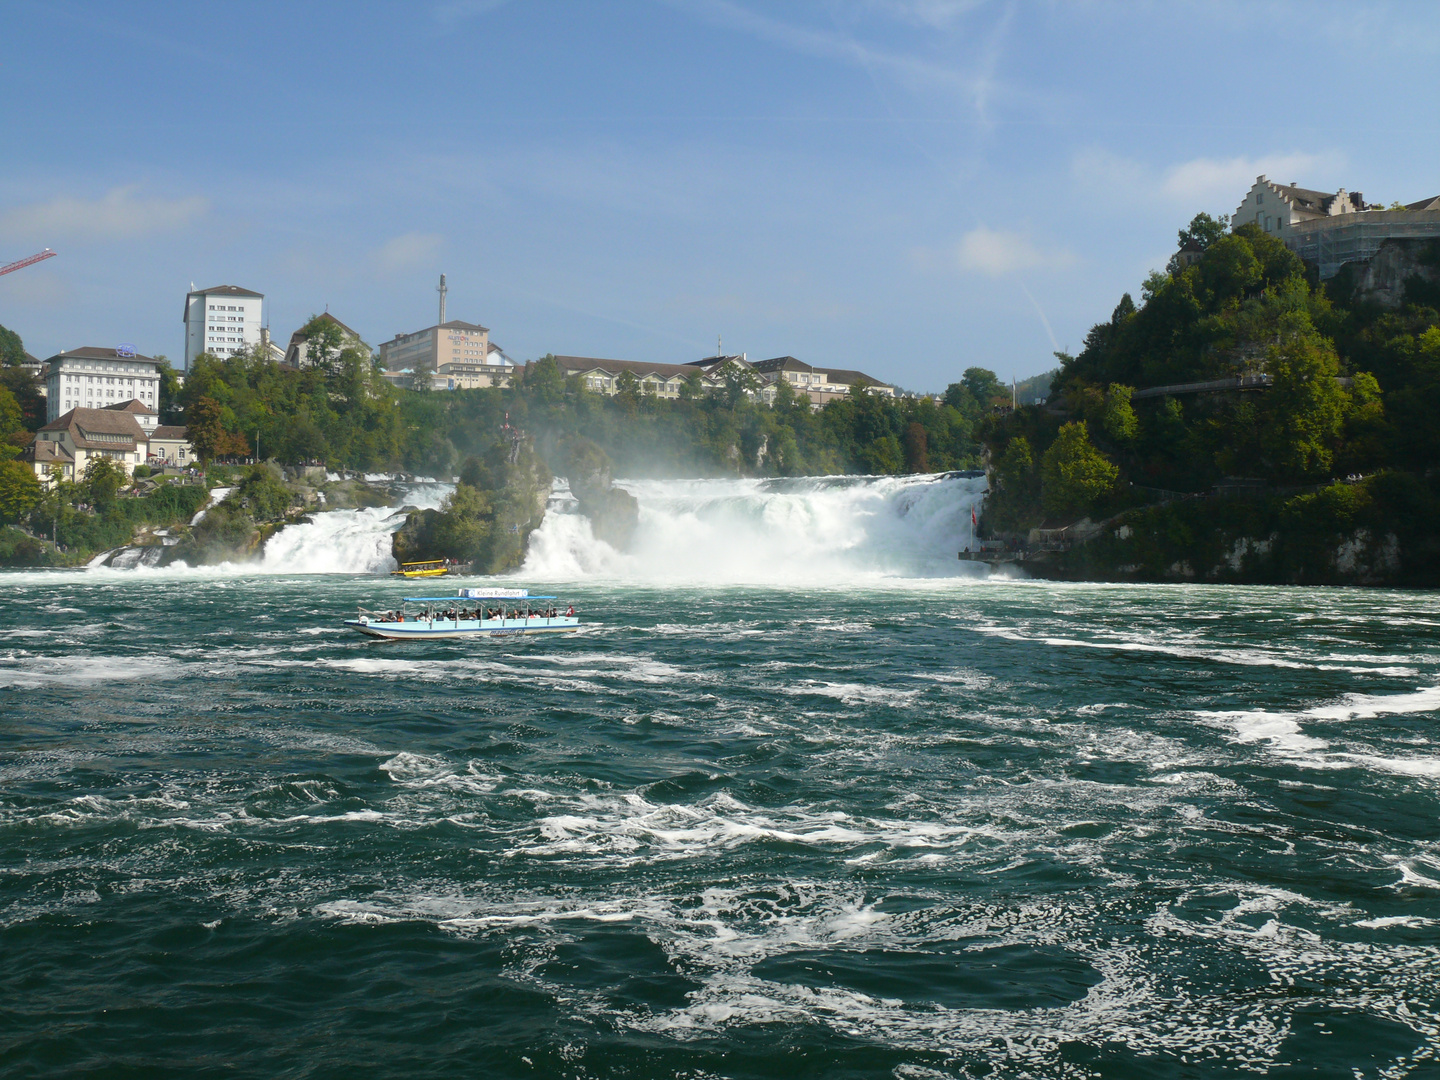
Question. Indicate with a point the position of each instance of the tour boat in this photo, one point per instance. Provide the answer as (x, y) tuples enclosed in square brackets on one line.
[(469, 613), (432, 568)]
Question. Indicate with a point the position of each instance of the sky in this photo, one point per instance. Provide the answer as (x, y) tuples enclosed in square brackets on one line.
[(904, 187)]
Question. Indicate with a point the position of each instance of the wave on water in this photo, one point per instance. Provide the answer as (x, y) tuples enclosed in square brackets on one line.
[(811, 530)]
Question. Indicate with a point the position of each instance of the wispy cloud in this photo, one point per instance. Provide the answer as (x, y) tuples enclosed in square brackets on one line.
[(120, 214), (938, 14), (916, 72), (454, 11), (997, 252), (407, 251), (1201, 182)]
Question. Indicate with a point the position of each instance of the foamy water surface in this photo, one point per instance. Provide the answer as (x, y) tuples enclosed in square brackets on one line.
[(913, 827)]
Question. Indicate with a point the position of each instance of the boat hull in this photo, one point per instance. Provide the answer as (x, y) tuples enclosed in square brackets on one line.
[(424, 629)]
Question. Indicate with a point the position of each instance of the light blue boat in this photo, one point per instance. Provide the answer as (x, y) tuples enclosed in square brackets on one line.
[(469, 613)]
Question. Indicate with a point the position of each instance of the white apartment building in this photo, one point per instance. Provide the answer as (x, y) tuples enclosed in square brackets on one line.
[(222, 321), (91, 378)]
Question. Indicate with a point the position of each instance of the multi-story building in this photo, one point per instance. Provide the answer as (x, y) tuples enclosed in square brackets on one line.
[(820, 385), (222, 321), (69, 442), (662, 380), (452, 342), (1332, 230), (92, 378)]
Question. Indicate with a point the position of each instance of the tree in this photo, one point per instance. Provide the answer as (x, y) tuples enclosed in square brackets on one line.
[(984, 385), (1306, 406), (1203, 231), (12, 418), (324, 342), (104, 477), (1120, 421), (1074, 475), (545, 382), (917, 458), (19, 490), (1016, 467)]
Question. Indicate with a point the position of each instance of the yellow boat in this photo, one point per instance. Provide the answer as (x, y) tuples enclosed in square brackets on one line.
[(433, 568)]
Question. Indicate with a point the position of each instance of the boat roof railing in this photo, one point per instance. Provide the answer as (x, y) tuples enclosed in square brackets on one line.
[(454, 599)]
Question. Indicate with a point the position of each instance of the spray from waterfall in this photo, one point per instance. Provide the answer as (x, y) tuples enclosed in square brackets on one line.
[(813, 531)]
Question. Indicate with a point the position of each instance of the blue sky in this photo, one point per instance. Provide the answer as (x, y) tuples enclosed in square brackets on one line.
[(908, 187)]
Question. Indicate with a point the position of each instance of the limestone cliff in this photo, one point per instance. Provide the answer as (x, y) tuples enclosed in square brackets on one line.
[(613, 512), (486, 523)]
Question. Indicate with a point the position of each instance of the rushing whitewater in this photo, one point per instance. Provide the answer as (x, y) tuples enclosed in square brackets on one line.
[(814, 530), (805, 530)]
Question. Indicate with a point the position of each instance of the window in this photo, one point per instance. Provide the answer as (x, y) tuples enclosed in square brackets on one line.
[(1259, 198)]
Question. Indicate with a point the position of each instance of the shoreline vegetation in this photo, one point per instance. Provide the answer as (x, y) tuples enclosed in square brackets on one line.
[(1241, 423)]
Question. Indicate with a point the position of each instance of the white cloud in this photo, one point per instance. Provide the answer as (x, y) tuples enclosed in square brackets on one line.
[(1206, 180), (913, 71), (119, 214), (407, 251), (1201, 183), (997, 252), (940, 14)]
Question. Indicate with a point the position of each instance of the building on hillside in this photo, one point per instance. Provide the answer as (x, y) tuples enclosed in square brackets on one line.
[(93, 378), (271, 349), (144, 415), (71, 440), (298, 353), (602, 376), (820, 385), (1332, 230), (467, 375), (222, 321), (170, 445), (452, 342), (36, 369)]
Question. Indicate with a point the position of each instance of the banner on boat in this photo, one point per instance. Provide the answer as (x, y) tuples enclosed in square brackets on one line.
[(495, 594)]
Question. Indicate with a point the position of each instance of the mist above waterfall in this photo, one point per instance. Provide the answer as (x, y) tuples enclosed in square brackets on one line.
[(812, 530)]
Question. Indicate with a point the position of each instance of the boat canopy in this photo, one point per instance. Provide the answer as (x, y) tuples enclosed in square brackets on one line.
[(452, 599)]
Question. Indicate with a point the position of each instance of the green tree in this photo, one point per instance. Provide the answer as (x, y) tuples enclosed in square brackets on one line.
[(544, 381), (12, 349), (1120, 421), (1074, 475), (1016, 467), (1306, 406), (917, 448), (1204, 230), (12, 417), (104, 477), (19, 490), (984, 386)]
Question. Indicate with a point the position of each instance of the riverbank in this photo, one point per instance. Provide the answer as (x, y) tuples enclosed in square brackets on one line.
[(1383, 531)]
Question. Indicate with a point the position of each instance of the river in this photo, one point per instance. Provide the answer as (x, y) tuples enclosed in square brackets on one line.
[(803, 800)]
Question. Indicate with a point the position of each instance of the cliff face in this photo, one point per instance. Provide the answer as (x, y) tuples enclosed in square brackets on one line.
[(613, 512), (1381, 532), (487, 522), (1401, 271)]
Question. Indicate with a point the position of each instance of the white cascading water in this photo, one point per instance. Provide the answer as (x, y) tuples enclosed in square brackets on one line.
[(343, 541), (806, 530), (813, 530)]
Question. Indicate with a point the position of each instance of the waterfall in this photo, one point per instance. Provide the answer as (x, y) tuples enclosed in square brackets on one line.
[(812, 530), (344, 541)]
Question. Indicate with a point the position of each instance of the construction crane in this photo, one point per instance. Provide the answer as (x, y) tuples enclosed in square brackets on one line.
[(40, 256)]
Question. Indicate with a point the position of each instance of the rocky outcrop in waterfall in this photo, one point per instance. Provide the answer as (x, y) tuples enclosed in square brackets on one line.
[(613, 512), (487, 522)]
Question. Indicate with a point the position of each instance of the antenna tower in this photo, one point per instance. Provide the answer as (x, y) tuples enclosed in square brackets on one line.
[(442, 290)]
